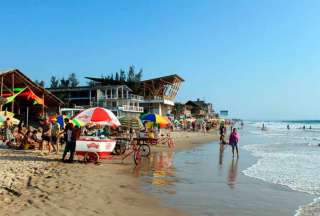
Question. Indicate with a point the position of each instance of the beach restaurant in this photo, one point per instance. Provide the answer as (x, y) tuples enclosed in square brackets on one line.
[(28, 100)]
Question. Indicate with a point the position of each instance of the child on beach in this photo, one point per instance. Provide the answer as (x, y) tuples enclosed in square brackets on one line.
[(233, 141)]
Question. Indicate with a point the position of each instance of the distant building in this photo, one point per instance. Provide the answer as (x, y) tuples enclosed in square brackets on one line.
[(181, 110), (117, 98), (148, 96), (200, 108), (160, 93), (224, 113)]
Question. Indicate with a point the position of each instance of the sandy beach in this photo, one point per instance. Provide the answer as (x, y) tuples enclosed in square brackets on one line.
[(33, 184)]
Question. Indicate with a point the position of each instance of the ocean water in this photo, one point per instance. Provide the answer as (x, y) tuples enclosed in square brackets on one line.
[(288, 157), (277, 174)]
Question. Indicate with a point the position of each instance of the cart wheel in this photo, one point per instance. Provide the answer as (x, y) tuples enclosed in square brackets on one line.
[(137, 157), (91, 157), (144, 150), (120, 149)]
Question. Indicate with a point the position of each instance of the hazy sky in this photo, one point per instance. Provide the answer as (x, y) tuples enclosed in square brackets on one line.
[(258, 59)]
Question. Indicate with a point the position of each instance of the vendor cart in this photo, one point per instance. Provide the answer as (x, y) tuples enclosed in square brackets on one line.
[(94, 148)]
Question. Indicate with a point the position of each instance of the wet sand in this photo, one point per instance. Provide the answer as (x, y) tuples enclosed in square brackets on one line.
[(207, 181), (33, 184)]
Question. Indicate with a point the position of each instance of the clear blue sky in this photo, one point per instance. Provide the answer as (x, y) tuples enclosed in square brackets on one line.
[(260, 59)]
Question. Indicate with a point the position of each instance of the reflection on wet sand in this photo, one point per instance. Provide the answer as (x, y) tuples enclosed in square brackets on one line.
[(233, 172), (158, 167), (221, 155)]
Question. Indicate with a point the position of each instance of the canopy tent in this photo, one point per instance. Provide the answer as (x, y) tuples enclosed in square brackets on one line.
[(24, 97), (158, 119), (131, 122)]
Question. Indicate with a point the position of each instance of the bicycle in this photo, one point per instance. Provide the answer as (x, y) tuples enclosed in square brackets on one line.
[(138, 150)]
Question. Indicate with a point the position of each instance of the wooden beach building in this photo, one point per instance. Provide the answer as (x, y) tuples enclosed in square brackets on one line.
[(123, 98), (160, 93), (20, 95)]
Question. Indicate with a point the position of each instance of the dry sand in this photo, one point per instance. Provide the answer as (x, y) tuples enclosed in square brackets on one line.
[(33, 184)]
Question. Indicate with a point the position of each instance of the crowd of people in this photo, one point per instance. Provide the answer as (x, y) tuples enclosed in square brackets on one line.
[(48, 137), (22, 137)]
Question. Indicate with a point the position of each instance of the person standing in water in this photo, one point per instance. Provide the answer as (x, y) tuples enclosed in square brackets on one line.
[(222, 132), (233, 141), (288, 127)]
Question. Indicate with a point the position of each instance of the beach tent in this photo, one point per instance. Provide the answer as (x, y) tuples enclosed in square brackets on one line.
[(158, 119), (13, 120), (131, 122), (7, 113), (60, 120)]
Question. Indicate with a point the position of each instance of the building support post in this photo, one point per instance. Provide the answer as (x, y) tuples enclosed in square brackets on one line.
[(1, 91), (44, 115), (27, 122), (12, 104)]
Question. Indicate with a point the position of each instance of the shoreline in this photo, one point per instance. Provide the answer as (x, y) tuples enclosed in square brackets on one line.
[(201, 169), (53, 188)]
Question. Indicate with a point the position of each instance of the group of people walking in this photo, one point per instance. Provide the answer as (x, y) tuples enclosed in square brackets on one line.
[(233, 138)]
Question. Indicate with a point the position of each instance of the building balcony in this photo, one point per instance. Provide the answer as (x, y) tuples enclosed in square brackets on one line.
[(159, 99), (127, 108), (124, 108), (125, 97)]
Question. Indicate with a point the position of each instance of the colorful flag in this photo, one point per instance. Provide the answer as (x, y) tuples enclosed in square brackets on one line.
[(11, 98)]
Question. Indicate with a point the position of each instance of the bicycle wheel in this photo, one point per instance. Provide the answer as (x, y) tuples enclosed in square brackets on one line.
[(137, 157), (120, 149), (144, 150)]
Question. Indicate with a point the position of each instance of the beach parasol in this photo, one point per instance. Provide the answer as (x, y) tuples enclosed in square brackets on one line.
[(7, 114), (77, 122), (60, 120), (98, 115), (158, 119), (131, 122), (13, 120)]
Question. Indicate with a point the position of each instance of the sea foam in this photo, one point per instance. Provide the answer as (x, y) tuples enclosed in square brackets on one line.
[(292, 161)]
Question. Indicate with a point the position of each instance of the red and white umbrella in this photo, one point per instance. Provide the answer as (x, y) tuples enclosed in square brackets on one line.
[(98, 115)]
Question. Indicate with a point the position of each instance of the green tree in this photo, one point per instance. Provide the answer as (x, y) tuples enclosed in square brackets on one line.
[(138, 76), (64, 83), (131, 74), (122, 75), (74, 82), (40, 82), (117, 76), (54, 82), (91, 83)]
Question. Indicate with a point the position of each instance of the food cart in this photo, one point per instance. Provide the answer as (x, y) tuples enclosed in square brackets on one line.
[(94, 148)]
